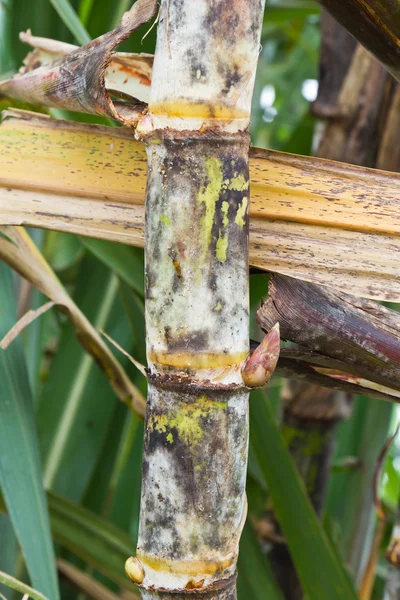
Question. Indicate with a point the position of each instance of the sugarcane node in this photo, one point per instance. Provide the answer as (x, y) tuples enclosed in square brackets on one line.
[(222, 586), (194, 585), (260, 365), (134, 569), (186, 382)]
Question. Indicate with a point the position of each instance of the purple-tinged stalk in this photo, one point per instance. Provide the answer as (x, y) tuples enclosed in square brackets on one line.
[(361, 338), (193, 503)]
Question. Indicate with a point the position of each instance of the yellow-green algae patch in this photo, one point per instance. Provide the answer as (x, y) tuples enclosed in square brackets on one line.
[(165, 219), (186, 419), (208, 195), (239, 219), (238, 183), (222, 242), (222, 248)]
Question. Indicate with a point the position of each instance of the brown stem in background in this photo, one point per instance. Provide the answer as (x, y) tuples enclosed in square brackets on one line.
[(310, 417), (375, 24), (353, 98), (392, 589)]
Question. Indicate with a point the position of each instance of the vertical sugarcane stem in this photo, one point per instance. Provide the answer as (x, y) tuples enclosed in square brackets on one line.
[(193, 503), (195, 456)]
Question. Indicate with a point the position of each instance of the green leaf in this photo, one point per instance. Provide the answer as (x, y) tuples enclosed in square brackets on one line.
[(85, 8), (71, 20), (8, 548), (73, 429), (14, 584), (125, 261), (125, 482), (6, 50), (363, 437), (134, 309), (256, 579), (35, 336), (390, 488), (322, 575), (91, 538), (62, 250), (20, 471), (97, 542)]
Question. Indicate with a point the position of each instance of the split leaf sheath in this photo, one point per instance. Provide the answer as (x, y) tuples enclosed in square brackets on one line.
[(76, 81), (352, 340)]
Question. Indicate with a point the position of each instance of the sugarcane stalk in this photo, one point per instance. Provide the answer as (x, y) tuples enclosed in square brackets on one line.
[(193, 504)]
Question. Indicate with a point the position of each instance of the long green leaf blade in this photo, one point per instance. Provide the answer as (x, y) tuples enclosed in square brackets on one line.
[(91, 538), (322, 575), (71, 20), (125, 261), (20, 471), (96, 541), (72, 430), (256, 579), (8, 548), (14, 584)]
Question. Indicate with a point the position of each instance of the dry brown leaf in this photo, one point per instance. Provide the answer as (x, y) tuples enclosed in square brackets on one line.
[(316, 220), (76, 81), (127, 73), (23, 322), (84, 582), (19, 252)]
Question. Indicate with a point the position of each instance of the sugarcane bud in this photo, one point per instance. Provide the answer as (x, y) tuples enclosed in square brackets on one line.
[(194, 585), (134, 569), (260, 365)]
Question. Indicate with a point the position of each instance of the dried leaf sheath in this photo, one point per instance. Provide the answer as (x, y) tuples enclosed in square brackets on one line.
[(20, 253), (76, 81), (125, 72), (193, 495), (361, 337), (305, 213)]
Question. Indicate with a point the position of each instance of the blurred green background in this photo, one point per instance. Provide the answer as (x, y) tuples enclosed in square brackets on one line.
[(90, 445)]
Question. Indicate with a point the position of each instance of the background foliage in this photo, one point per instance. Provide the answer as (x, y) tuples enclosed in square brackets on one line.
[(55, 401)]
